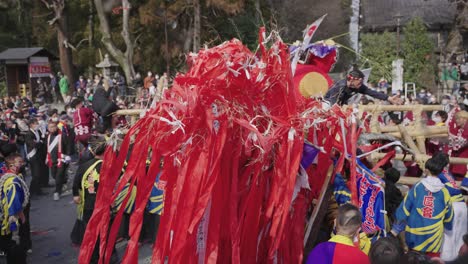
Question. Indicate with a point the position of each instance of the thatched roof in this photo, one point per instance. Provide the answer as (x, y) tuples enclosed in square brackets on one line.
[(379, 15)]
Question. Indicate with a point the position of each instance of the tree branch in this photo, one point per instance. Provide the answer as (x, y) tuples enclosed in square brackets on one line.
[(46, 4), (125, 26)]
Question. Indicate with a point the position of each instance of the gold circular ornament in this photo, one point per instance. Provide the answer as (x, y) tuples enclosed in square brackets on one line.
[(313, 84)]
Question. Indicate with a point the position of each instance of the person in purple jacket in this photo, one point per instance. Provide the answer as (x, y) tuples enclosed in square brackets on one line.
[(341, 249)]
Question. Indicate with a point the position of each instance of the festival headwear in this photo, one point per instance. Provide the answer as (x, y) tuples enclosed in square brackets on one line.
[(355, 74)]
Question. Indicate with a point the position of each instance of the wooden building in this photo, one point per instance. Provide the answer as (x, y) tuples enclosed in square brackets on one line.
[(23, 66), (381, 15), (389, 15)]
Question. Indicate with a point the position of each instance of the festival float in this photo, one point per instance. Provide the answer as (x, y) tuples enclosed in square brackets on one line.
[(248, 156)]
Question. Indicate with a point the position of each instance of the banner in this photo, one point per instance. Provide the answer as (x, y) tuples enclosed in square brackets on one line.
[(39, 67), (371, 199)]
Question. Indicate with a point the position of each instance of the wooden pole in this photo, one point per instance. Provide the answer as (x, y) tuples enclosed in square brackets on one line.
[(353, 177), (409, 141), (420, 140), (320, 208), (384, 108), (420, 157), (129, 112), (414, 133), (427, 131), (413, 180)]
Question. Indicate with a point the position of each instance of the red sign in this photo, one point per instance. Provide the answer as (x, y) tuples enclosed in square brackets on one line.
[(39, 70)]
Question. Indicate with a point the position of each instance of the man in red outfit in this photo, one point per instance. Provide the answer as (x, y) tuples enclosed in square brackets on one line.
[(83, 122), (458, 140)]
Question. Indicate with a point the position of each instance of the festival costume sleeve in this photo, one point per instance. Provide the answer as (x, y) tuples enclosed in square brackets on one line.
[(448, 221), (365, 90), (464, 182), (156, 201), (333, 93), (449, 182), (77, 179), (403, 211), (322, 254), (121, 197), (15, 196), (341, 191)]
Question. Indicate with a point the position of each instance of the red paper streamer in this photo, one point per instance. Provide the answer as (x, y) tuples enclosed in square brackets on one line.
[(231, 132)]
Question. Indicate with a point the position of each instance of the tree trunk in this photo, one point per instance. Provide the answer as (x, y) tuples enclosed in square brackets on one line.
[(188, 33), (66, 59), (124, 59), (91, 23), (91, 36), (166, 41), (129, 52), (258, 12), (60, 21), (196, 26), (455, 39), (24, 19)]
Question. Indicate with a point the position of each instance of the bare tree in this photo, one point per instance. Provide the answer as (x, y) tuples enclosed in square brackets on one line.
[(91, 23), (228, 6), (123, 58), (455, 39), (196, 25), (5, 4), (59, 21)]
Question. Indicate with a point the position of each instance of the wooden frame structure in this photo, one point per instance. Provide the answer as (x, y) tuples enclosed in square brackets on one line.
[(414, 135)]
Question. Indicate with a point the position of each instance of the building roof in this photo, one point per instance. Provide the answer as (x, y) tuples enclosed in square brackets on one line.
[(24, 53), (379, 15)]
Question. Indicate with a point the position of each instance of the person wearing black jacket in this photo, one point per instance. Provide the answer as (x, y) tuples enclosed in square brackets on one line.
[(35, 156), (85, 188), (343, 90), (393, 196), (86, 197), (103, 105)]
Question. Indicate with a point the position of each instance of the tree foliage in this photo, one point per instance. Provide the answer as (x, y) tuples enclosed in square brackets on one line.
[(220, 20), (378, 51), (418, 49)]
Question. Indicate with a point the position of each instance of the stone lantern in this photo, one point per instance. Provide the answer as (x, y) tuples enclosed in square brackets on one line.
[(106, 64)]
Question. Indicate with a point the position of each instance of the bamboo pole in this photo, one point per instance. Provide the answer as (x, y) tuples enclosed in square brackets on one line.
[(409, 141), (374, 123), (424, 131), (408, 180), (416, 133), (319, 209), (129, 112), (413, 180), (420, 140), (384, 108), (420, 157)]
